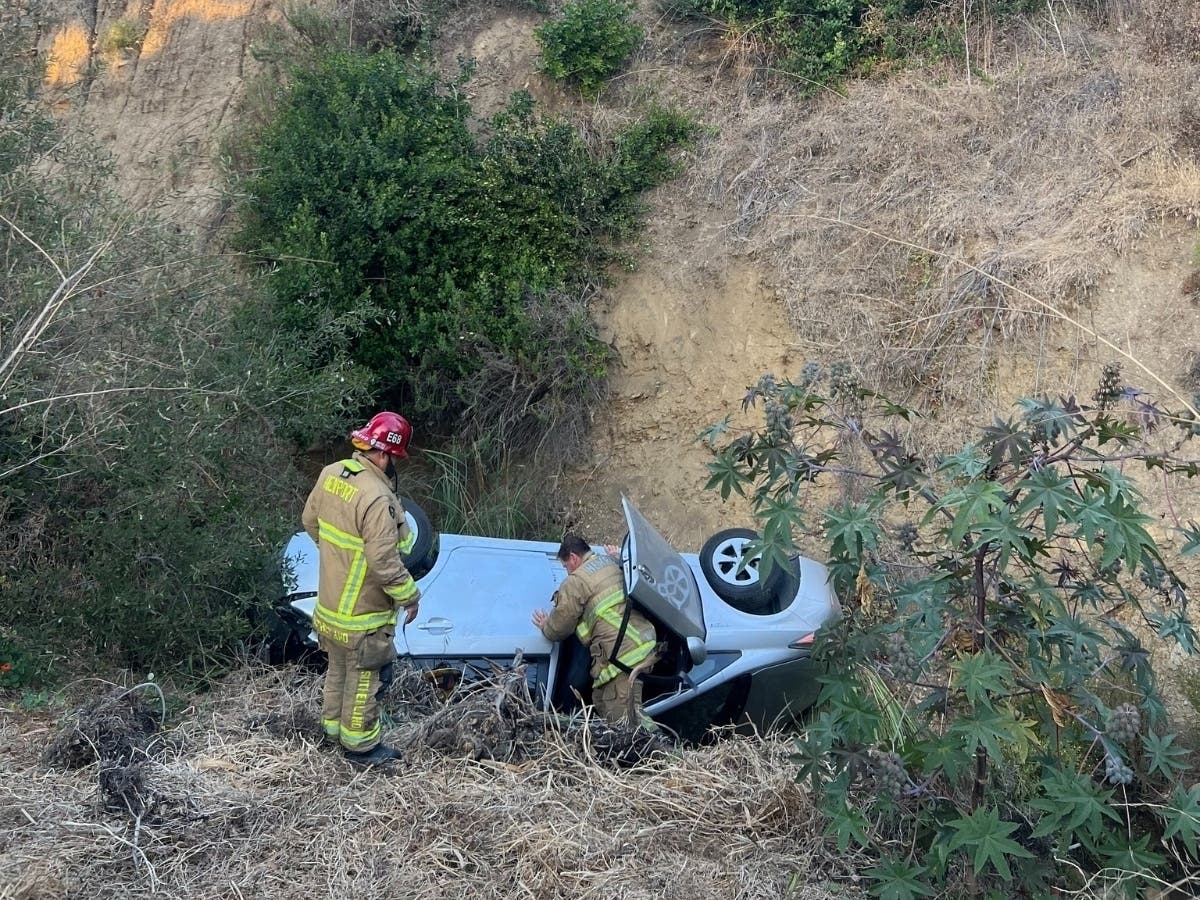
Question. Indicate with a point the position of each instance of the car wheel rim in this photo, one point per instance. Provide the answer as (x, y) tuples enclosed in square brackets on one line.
[(412, 523), (727, 562)]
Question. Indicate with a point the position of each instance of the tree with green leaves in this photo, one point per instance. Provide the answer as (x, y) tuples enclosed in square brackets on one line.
[(451, 259), (990, 717)]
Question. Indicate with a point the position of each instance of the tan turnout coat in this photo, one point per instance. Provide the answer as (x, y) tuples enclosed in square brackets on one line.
[(359, 527), (590, 602)]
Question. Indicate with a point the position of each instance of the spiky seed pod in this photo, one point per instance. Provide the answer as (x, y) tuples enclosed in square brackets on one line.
[(841, 382), (891, 778), (1125, 723), (1116, 772), (1109, 390), (906, 536), (810, 374), (779, 421), (767, 385), (904, 663)]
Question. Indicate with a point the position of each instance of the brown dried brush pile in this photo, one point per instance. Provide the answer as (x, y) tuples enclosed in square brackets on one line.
[(245, 802), (888, 218)]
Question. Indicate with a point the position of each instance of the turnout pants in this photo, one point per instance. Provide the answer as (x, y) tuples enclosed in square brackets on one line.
[(349, 697), (612, 703)]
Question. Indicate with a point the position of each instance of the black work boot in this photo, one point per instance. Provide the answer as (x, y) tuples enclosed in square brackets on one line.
[(378, 755)]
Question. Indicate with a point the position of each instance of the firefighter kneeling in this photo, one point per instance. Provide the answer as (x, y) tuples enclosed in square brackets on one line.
[(591, 602), (358, 524)]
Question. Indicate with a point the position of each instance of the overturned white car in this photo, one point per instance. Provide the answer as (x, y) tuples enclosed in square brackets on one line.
[(737, 645)]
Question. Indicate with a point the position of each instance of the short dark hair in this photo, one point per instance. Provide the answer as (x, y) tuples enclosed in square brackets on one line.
[(572, 543)]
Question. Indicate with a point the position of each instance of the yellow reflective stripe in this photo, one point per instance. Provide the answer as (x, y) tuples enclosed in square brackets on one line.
[(629, 659), (402, 593), (361, 695), (607, 603), (354, 739), (337, 537), (354, 582), (354, 735), (362, 622), (331, 726), (602, 610), (406, 545)]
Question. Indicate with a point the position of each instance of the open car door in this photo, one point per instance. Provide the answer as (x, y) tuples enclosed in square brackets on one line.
[(662, 583)]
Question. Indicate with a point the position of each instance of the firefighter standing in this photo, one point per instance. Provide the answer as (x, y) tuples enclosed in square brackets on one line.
[(358, 524), (591, 602)]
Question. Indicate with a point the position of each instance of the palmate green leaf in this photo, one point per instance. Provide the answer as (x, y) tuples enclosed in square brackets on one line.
[(714, 431), (851, 529), (1162, 757), (1004, 438), (812, 748), (1182, 818), (970, 505), (991, 729), (1003, 532), (781, 517), (1133, 856), (986, 839), (1176, 627), (1126, 536), (1191, 545), (1072, 802), (1051, 420), (1073, 632), (1090, 516), (968, 463), (981, 674), (725, 475), (945, 754), (847, 823), (898, 880), (1045, 489)]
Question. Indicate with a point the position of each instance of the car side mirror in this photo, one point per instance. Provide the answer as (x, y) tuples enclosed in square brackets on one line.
[(696, 650)]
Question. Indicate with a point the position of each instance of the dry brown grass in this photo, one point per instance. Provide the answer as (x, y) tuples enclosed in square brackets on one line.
[(244, 802), (887, 219)]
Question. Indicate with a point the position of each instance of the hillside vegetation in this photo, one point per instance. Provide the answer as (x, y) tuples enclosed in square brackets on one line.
[(958, 207)]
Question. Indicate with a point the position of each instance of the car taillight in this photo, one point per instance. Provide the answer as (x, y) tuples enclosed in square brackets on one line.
[(803, 643)]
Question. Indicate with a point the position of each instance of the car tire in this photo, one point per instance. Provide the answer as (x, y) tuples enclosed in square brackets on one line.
[(420, 559), (740, 587)]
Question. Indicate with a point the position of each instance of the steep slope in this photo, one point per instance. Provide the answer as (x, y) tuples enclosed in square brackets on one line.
[(916, 227)]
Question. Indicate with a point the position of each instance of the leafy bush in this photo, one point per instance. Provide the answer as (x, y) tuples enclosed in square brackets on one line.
[(464, 264), (990, 717), (16, 669), (147, 412), (589, 42), (123, 34), (823, 41)]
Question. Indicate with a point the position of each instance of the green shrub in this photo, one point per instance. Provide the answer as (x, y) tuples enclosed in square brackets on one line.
[(466, 263), (146, 430), (123, 34), (16, 669), (990, 718), (821, 42), (589, 42)]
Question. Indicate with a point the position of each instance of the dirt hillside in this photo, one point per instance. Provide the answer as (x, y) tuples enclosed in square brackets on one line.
[(867, 227)]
